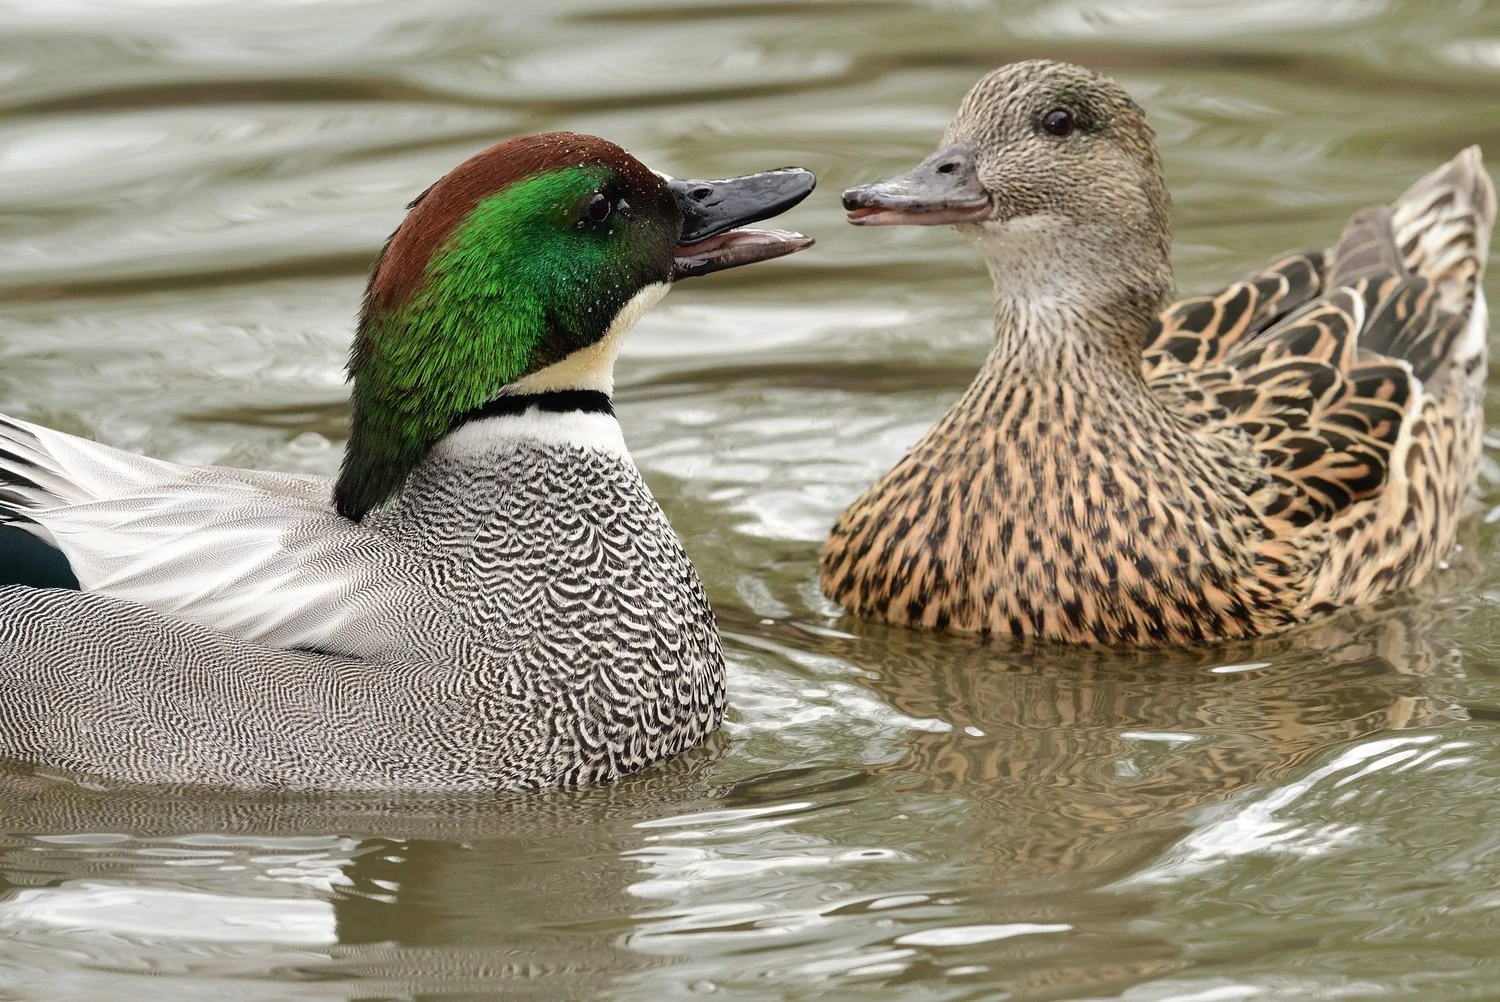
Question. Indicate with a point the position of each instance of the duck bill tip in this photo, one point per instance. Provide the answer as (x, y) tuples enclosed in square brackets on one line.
[(942, 190), (919, 215), (736, 248)]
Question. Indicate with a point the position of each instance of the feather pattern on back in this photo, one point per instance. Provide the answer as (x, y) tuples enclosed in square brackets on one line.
[(1364, 405)]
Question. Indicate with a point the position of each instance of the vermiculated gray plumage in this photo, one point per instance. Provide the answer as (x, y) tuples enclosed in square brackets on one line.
[(535, 622)]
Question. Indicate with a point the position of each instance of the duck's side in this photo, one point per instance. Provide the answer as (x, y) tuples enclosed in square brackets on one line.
[(1121, 472), (565, 639)]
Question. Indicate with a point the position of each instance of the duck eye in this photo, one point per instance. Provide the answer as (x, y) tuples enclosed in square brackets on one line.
[(1058, 122), (597, 211)]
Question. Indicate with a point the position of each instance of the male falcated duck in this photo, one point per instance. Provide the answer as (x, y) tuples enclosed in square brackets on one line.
[(488, 597), (1123, 471)]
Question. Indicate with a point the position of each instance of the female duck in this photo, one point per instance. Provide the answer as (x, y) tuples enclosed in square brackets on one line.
[(1123, 471), (488, 596)]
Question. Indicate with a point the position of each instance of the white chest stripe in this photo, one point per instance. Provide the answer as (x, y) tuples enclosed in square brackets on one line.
[(590, 431)]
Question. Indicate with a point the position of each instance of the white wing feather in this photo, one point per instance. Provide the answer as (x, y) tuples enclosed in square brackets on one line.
[(260, 555)]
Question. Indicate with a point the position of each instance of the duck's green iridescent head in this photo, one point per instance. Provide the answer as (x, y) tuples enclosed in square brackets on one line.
[(524, 256)]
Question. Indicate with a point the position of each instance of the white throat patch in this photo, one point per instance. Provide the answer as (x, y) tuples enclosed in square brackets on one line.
[(593, 368), (1035, 257)]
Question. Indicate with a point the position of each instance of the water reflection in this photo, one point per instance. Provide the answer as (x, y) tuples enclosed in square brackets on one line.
[(394, 894), (1024, 793), (1082, 769)]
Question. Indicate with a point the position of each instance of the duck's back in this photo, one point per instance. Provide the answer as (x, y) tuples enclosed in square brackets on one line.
[(1356, 378)]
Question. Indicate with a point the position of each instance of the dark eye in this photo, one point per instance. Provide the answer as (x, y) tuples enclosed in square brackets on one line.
[(597, 211), (1058, 122)]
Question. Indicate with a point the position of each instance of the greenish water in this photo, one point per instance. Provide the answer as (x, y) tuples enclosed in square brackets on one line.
[(189, 194)]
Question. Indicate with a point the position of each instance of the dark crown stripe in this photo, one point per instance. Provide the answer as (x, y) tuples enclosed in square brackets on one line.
[(555, 402)]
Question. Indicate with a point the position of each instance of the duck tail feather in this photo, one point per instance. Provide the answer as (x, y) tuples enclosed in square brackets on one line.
[(27, 479), (1442, 226)]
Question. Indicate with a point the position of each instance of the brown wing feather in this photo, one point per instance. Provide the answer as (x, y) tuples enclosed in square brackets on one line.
[(1322, 422), (1202, 329), (1354, 379)]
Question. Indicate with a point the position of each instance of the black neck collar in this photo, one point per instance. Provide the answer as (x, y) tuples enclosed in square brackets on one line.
[(551, 402)]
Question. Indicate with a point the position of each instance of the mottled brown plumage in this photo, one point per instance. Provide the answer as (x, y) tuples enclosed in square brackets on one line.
[(1125, 471)]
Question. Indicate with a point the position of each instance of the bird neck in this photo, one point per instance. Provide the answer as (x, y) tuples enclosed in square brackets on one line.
[(570, 419), (1071, 298)]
